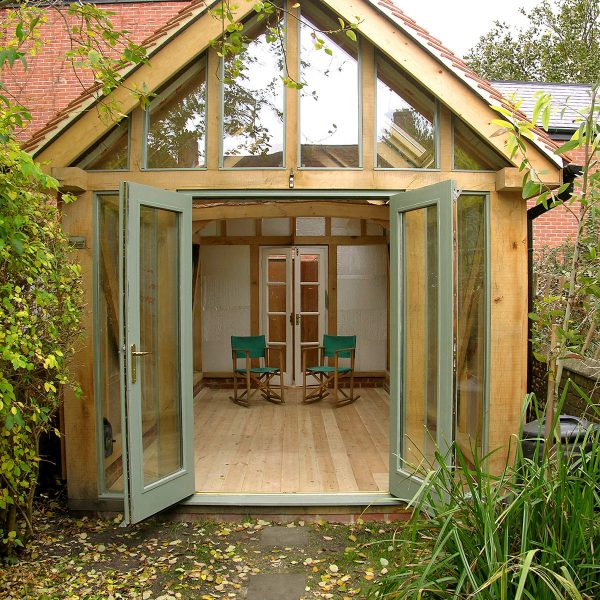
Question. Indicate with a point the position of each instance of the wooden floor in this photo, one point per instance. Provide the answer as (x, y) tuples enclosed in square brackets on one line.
[(294, 447)]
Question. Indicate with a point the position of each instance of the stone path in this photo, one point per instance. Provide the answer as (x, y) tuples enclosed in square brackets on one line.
[(279, 586)]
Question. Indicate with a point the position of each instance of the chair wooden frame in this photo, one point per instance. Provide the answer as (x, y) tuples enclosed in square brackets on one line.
[(329, 376), (251, 348)]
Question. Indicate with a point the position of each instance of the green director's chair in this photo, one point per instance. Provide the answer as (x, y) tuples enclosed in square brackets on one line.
[(336, 347), (249, 348)]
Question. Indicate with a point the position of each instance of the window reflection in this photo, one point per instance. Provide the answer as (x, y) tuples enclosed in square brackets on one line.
[(329, 105), (471, 338), (111, 153), (406, 136), (177, 123), (471, 153), (253, 131)]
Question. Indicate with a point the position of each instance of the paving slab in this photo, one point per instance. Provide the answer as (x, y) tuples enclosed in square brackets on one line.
[(283, 537), (277, 586)]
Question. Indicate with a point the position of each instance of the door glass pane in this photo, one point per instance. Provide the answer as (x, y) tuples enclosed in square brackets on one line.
[(177, 123), (309, 328), (253, 129), (420, 306), (109, 376), (309, 268), (277, 328), (159, 371), (406, 136), (470, 360), (277, 298), (309, 301), (277, 267), (329, 135)]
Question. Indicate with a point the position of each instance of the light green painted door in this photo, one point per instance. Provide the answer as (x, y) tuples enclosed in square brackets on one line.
[(422, 333), (156, 349)]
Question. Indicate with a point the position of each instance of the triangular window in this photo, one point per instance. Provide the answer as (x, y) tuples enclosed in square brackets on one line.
[(253, 99), (329, 102), (406, 121), (111, 153), (176, 123), (471, 152)]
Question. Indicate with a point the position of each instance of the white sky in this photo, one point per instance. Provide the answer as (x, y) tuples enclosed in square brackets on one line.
[(458, 24)]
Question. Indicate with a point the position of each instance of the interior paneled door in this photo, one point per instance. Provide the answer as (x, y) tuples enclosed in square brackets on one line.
[(422, 333), (156, 349), (293, 298)]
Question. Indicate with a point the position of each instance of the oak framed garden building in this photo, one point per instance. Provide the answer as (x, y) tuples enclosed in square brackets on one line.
[(376, 201)]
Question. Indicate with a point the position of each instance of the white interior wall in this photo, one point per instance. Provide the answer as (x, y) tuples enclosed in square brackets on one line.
[(225, 272), (362, 302)]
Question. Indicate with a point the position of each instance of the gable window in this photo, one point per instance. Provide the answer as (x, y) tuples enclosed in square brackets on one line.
[(253, 100), (406, 121), (111, 153), (471, 152), (329, 102), (176, 123)]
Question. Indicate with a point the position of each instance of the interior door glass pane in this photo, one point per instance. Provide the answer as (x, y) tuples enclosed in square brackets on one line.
[(406, 136), (309, 268), (309, 298), (277, 269), (159, 371), (471, 342), (277, 356), (277, 328), (253, 128), (277, 298), (109, 375), (419, 386), (311, 356), (309, 328), (329, 135), (177, 123)]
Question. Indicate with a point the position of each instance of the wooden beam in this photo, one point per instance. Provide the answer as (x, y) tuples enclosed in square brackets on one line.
[(446, 145), (70, 179), (332, 290), (305, 179), (369, 111), (508, 316), (249, 210), (292, 96), (213, 110)]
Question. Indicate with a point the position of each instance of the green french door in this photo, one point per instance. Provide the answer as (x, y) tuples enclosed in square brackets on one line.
[(422, 333), (156, 349)]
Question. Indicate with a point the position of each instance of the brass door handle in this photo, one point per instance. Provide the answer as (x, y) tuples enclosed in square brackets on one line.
[(134, 355)]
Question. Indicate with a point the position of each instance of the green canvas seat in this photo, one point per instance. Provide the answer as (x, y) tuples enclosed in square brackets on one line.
[(254, 349), (327, 376)]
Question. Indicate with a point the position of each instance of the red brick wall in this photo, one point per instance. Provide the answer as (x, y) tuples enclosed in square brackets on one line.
[(49, 83), (559, 224)]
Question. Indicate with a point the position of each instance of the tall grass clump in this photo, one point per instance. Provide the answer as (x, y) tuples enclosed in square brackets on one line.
[(533, 531)]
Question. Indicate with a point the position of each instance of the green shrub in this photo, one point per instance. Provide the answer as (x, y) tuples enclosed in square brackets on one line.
[(40, 300), (531, 532)]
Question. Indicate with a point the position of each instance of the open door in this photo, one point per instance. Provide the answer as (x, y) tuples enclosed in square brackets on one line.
[(156, 349), (422, 333)]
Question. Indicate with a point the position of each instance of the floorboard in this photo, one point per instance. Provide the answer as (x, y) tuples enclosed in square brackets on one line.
[(291, 448)]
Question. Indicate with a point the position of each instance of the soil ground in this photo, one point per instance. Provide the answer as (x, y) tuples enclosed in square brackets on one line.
[(91, 558)]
